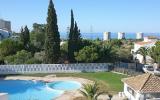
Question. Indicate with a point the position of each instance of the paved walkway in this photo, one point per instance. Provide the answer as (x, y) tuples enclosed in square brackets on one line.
[(115, 97)]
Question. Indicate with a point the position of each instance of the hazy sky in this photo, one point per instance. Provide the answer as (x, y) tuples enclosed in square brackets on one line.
[(102, 15)]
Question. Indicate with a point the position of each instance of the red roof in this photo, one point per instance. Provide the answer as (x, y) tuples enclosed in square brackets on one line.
[(143, 43)]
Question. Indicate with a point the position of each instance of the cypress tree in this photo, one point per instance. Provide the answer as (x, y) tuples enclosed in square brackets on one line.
[(25, 37), (52, 39), (22, 35), (74, 39), (70, 40)]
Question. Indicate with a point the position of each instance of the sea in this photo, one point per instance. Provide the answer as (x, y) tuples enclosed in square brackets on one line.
[(99, 35)]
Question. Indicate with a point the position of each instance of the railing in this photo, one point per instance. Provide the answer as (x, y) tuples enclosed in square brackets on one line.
[(53, 68)]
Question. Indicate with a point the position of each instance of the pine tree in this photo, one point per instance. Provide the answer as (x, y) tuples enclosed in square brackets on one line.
[(52, 39)]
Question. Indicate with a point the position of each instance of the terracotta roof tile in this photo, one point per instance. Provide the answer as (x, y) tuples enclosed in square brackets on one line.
[(146, 83), (143, 43)]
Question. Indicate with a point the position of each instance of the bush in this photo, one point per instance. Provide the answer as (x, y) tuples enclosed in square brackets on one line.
[(33, 61), (9, 47), (19, 58)]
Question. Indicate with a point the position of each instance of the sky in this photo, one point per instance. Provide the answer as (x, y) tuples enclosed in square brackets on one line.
[(101, 15)]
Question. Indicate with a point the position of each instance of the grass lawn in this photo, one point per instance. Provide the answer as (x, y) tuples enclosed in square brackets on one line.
[(108, 81)]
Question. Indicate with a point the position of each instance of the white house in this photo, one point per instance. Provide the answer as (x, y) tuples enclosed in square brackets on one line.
[(142, 87), (148, 42)]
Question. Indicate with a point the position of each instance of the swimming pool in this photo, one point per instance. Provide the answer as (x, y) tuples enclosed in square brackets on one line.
[(36, 90), (65, 85)]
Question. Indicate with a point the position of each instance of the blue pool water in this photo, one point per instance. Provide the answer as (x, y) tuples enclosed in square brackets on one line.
[(35, 90), (65, 85)]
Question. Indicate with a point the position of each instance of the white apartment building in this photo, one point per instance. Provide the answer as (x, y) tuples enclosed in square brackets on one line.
[(106, 36), (139, 35), (5, 25), (121, 35)]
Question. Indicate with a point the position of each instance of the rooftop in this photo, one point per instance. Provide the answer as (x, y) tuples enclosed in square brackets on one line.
[(146, 83), (152, 37), (144, 43)]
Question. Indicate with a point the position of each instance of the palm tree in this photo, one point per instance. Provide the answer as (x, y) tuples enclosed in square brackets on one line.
[(91, 91), (110, 96), (154, 52), (144, 52), (108, 54)]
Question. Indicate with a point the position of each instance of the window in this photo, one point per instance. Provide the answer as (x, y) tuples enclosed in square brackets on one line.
[(131, 91)]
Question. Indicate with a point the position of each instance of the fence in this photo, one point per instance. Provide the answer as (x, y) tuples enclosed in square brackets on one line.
[(53, 68), (128, 68)]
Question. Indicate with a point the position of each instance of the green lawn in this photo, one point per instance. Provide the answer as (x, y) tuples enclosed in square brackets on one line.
[(108, 81)]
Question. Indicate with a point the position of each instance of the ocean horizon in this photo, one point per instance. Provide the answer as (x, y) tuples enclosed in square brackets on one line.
[(99, 35)]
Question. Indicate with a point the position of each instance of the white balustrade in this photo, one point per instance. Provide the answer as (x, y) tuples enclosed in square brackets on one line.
[(53, 68)]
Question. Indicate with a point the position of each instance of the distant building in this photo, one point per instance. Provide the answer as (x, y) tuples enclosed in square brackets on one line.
[(121, 35), (5, 25), (106, 36), (15, 37), (4, 34), (139, 35), (148, 42)]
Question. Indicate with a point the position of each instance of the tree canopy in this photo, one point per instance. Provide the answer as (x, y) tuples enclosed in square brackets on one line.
[(9, 47), (52, 38), (74, 39)]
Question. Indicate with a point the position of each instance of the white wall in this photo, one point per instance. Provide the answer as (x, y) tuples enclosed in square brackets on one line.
[(3, 96), (53, 68), (130, 96), (139, 96)]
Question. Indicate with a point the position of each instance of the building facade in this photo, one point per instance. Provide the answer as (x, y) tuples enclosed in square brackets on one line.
[(106, 36), (121, 35), (5, 25), (4, 34), (139, 35)]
